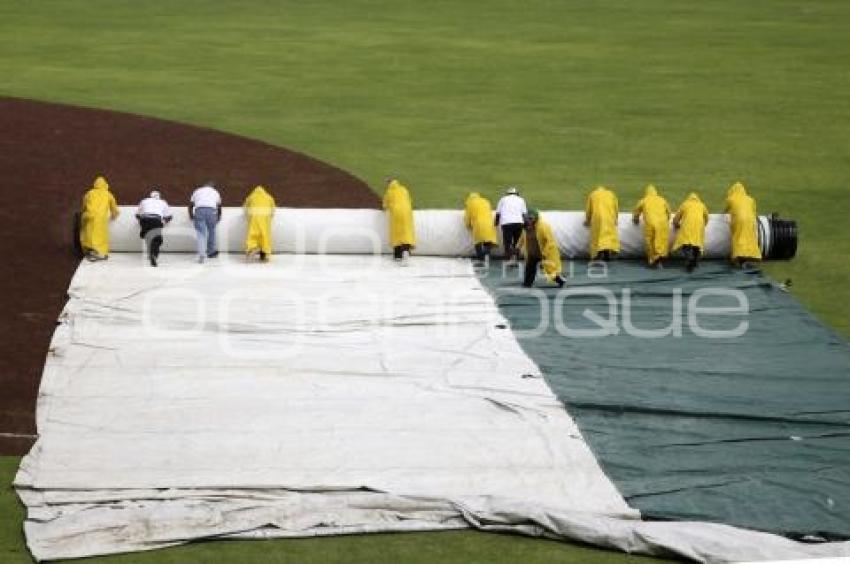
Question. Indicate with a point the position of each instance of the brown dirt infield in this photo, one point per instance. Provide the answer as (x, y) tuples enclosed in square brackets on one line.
[(50, 154)]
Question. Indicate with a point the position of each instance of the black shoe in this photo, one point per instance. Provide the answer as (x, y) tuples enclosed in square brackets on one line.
[(153, 260), (212, 254), (559, 281), (263, 256)]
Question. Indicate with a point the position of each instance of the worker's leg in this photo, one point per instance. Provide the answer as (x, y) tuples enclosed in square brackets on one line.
[(510, 237), (479, 251), (156, 243), (692, 256), (212, 220), (506, 241), (201, 231), (530, 272)]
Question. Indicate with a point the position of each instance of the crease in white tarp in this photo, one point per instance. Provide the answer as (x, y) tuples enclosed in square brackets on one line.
[(364, 232), (224, 400)]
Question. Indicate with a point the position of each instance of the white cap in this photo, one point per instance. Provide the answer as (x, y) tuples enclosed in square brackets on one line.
[(155, 194), (512, 190)]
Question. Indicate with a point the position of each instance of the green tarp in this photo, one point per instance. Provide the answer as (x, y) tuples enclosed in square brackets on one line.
[(750, 430)]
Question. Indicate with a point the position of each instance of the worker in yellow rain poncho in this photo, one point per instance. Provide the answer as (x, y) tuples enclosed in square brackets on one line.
[(742, 224), (600, 215), (259, 209), (478, 217), (656, 225), (98, 208), (690, 221), (539, 247), (399, 210)]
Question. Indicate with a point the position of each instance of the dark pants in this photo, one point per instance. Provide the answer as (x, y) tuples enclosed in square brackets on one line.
[(151, 232), (510, 238), (530, 271), (482, 250), (691, 256), (398, 251)]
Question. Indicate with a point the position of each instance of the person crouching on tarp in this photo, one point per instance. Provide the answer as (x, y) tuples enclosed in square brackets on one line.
[(205, 213), (153, 213), (600, 214), (656, 225), (690, 221), (742, 225), (259, 209), (399, 209), (510, 212), (99, 208), (478, 218), (539, 247)]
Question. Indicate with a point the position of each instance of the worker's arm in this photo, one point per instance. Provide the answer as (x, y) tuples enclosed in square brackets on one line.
[(191, 210), (218, 209), (588, 213), (636, 213), (113, 207), (677, 219)]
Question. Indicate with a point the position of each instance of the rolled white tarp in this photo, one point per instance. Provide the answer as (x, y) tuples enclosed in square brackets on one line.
[(364, 231)]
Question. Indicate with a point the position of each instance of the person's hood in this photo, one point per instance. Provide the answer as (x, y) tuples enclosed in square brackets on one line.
[(100, 184), (395, 185), (472, 196), (650, 191), (259, 190), (694, 197), (736, 190)]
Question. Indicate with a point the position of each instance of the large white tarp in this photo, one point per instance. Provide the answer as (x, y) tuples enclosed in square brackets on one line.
[(364, 231), (313, 395)]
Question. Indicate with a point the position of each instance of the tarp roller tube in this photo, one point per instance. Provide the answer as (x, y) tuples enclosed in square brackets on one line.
[(438, 233)]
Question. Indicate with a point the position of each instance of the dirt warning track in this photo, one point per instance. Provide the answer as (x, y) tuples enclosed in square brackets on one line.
[(50, 154)]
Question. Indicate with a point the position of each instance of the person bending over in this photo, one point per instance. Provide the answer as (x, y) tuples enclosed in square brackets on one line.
[(690, 221), (153, 213), (399, 209), (478, 218), (540, 248), (509, 217)]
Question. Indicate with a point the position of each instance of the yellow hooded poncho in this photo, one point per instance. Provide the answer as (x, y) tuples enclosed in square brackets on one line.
[(548, 248), (691, 219), (478, 216), (601, 213), (399, 209), (259, 208), (98, 208), (742, 223), (656, 224)]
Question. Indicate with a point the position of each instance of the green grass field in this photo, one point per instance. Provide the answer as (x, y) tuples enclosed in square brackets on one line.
[(553, 96)]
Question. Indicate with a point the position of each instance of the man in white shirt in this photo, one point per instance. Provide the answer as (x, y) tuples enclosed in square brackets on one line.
[(153, 213), (509, 216), (205, 212)]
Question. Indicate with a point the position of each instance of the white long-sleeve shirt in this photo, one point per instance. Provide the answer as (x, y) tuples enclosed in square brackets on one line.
[(511, 208)]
